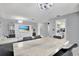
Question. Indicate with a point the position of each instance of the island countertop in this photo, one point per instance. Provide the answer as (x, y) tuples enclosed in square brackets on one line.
[(40, 47)]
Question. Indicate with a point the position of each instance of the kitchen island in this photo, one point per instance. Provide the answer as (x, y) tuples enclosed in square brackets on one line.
[(45, 46)]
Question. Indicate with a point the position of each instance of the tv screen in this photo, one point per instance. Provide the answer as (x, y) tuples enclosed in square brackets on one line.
[(24, 27)]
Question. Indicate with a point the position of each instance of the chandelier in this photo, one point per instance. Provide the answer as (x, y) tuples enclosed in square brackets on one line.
[(45, 5)]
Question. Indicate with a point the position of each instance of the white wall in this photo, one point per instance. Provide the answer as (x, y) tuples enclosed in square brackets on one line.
[(21, 34), (44, 29), (72, 26), (52, 28), (4, 27)]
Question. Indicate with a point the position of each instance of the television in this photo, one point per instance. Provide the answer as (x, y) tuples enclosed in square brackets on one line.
[(24, 27)]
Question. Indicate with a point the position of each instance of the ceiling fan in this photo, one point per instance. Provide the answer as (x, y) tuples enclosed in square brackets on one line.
[(44, 6)]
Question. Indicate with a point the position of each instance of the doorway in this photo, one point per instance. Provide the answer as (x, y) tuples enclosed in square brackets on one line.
[(61, 28)]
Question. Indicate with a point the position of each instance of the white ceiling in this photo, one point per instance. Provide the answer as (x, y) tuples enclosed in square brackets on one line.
[(32, 10)]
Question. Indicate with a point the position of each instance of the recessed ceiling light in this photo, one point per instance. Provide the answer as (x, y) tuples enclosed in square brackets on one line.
[(19, 21), (20, 18)]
